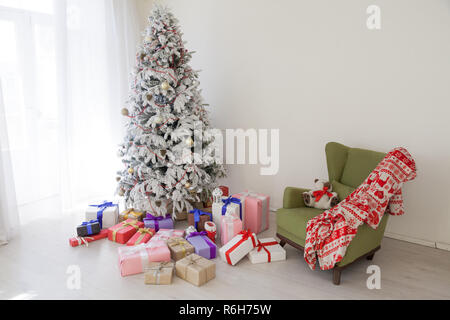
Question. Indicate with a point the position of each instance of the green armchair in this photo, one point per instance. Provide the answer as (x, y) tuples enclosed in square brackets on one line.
[(347, 169)]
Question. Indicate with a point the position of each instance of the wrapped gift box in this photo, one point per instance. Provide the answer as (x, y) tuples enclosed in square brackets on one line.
[(267, 250), (179, 248), (257, 209), (131, 214), (107, 213), (203, 206), (161, 222), (134, 260), (123, 231), (143, 235), (230, 206), (230, 226), (238, 247), (195, 269), (203, 245), (78, 241), (159, 273), (211, 229), (88, 228), (166, 234), (197, 218)]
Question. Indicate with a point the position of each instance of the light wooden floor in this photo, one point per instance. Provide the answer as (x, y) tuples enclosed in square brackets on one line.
[(34, 265)]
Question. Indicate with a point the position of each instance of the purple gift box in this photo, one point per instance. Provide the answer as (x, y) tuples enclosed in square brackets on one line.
[(203, 245), (157, 223)]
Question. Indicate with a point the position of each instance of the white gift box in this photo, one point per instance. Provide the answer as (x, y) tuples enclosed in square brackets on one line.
[(233, 209), (267, 250), (109, 214), (238, 247)]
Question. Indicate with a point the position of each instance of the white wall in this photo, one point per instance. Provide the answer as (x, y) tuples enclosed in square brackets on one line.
[(313, 70)]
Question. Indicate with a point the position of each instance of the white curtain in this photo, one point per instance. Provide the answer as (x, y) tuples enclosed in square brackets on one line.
[(66, 82)]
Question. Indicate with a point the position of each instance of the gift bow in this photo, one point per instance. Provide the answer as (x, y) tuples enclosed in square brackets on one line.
[(262, 245), (195, 234), (131, 212), (179, 242), (230, 200), (320, 193), (197, 213), (157, 270), (101, 207), (156, 219), (143, 231)]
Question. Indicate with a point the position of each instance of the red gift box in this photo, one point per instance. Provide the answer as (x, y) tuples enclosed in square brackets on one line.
[(143, 235), (78, 241), (123, 231)]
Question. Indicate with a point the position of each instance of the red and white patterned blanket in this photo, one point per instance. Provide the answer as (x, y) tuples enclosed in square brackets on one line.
[(329, 234)]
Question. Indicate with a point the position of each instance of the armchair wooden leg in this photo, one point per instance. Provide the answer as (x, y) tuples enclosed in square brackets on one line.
[(370, 257), (337, 275), (282, 243)]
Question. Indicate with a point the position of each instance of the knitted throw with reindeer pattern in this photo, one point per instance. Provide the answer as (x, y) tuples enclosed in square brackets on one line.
[(329, 234)]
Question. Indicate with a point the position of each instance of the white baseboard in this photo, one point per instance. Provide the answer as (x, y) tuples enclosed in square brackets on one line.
[(443, 246)]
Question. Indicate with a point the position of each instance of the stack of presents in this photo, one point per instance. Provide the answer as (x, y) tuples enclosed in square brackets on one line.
[(154, 247)]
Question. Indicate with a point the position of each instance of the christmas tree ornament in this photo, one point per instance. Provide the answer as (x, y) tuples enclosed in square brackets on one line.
[(189, 142), (165, 86), (130, 170), (125, 112), (165, 78)]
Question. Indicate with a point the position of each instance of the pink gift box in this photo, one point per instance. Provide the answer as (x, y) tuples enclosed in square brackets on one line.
[(134, 260), (256, 213), (166, 234), (230, 226)]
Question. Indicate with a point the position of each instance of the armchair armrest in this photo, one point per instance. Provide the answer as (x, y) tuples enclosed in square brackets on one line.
[(293, 198)]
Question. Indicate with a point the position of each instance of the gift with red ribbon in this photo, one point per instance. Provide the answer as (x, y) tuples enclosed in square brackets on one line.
[(78, 241), (238, 247), (267, 250)]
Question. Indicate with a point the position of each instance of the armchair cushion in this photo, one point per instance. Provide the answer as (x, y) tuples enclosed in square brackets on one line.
[(342, 190), (291, 223), (293, 198), (359, 165)]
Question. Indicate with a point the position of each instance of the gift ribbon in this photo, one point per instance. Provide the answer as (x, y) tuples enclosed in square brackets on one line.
[(230, 200), (126, 214), (179, 242), (264, 208), (157, 270), (263, 245), (123, 225), (204, 236), (192, 261), (88, 225), (84, 240), (143, 232), (246, 234), (102, 207), (156, 219), (197, 213)]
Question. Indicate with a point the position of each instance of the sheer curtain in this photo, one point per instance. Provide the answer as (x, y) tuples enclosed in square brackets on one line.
[(64, 66)]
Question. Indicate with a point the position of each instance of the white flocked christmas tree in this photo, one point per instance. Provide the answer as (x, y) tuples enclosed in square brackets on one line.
[(169, 154)]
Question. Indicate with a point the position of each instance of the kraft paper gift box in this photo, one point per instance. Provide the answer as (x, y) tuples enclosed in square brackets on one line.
[(166, 234), (227, 205), (161, 222), (134, 260), (88, 228), (197, 218), (267, 250), (107, 213), (195, 269), (123, 231), (143, 235), (159, 273), (238, 247), (230, 227), (257, 209), (78, 241), (179, 248), (203, 245), (131, 214)]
